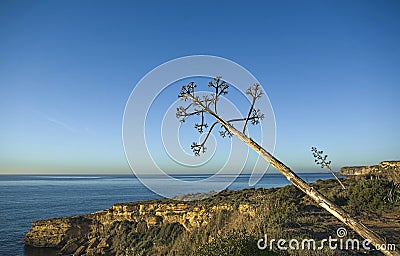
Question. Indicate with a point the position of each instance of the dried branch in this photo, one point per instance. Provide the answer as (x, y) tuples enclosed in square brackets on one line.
[(205, 103), (319, 160), (255, 92), (200, 148), (221, 88), (187, 93)]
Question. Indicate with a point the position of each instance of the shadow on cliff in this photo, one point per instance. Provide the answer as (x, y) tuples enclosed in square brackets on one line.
[(34, 251)]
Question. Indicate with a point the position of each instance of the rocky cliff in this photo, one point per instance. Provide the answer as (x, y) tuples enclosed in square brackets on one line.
[(363, 170), (390, 165), (228, 223), (105, 232), (358, 170)]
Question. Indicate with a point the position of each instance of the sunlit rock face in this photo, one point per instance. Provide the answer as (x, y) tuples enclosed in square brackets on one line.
[(363, 170), (358, 170), (390, 165), (106, 232)]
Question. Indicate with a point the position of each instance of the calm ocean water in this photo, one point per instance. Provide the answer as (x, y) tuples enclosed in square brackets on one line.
[(26, 198)]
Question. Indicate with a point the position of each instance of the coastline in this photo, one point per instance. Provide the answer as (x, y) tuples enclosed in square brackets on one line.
[(108, 231), (27, 198)]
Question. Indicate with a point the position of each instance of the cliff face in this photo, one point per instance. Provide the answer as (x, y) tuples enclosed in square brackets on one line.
[(358, 170), (390, 165), (363, 170), (204, 227), (54, 232), (107, 231)]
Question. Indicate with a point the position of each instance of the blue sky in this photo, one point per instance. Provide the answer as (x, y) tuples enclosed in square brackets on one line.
[(330, 68)]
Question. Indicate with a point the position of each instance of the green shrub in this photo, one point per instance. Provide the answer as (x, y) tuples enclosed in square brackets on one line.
[(367, 195), (234, 243)]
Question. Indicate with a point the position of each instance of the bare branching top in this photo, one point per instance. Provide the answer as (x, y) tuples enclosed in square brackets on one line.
[(322, 160), (319, 160), (207, 104)]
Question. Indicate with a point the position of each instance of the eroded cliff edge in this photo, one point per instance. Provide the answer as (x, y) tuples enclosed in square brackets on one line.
[(233, 219), (104, 232), (363, 170)]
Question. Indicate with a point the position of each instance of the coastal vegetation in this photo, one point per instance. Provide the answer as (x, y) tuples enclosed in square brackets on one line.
[(207, 104), (235, 222), (228, 223)]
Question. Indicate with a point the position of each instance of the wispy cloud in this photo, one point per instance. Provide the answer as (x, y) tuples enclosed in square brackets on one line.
[(56, 121), (62, 124)]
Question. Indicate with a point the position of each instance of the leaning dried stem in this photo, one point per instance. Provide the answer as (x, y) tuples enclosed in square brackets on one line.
[(319, 198), (210, 102), (319, 160)]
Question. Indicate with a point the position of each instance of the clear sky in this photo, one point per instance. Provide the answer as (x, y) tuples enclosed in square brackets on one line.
[(331, 70)]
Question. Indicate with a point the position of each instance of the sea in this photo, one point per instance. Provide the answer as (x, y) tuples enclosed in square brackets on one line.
[(27, 198)]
